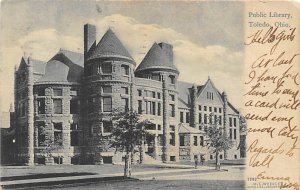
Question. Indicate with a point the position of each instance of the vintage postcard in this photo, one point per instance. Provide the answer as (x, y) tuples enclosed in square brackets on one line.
[(149, 94)]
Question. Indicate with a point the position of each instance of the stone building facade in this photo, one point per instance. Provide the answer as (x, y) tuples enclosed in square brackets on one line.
[(62, 106)]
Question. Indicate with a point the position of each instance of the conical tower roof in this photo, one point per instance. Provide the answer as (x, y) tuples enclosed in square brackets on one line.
[(159, 57), (110, 46)]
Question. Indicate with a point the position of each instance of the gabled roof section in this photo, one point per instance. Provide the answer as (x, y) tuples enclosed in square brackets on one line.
[(38, 66), (209, 82), (65, 66), (182, 104), (160, 56), (233, 108), (187, 129), (75, 57), (23, 63), (183, 89), (110, 46)]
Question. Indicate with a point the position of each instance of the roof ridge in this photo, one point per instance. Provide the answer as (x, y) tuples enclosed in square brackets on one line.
[(66, 50)]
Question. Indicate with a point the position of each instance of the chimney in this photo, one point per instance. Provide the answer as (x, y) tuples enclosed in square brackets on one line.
[(168, 49), (89, 38)]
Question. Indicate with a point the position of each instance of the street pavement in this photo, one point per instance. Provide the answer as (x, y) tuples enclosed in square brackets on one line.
[(148, 175)]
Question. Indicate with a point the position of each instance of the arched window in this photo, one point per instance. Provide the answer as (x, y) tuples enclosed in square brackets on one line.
[(125, 70), (172, 79)]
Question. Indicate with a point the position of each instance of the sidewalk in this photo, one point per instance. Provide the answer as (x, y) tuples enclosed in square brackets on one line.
[(144, 173)]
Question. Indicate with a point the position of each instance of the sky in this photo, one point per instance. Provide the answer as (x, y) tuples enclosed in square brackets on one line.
[(207, 37)]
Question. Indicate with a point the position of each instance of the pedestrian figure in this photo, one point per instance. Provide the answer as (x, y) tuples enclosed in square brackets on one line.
[(196, 161), (202, 160)]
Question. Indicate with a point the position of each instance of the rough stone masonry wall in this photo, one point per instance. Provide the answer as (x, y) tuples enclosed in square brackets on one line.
[(95, 142), (49, 118)]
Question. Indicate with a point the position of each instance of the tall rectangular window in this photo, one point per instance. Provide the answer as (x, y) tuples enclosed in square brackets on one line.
[(187, 117), (159, 109), (41, 106), (172, 97), (220, 120), (201, 141), (107, 126), (234, 134), (172, 139), (195, 141), (234, 122), (124, 104), (107, 106), (57, 92), (153, 108), (181, 117), (230, 133), (230, 122), (153, 94), (158, 95), (74, 138), (200, 118), (205, 119), (205, 108), (58, 137), (172, 135), (172, 79), (57, 106), (74, 106), (182, 140), (139, 92), (172, 110), (159, 127), (41, 135), (140, 103)]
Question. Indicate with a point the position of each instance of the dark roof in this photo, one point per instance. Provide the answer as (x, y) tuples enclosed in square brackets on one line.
[(187, 129), (75, 57), (110, 46), (65, 66), (184, 91), (38, 66), (157, 58)]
